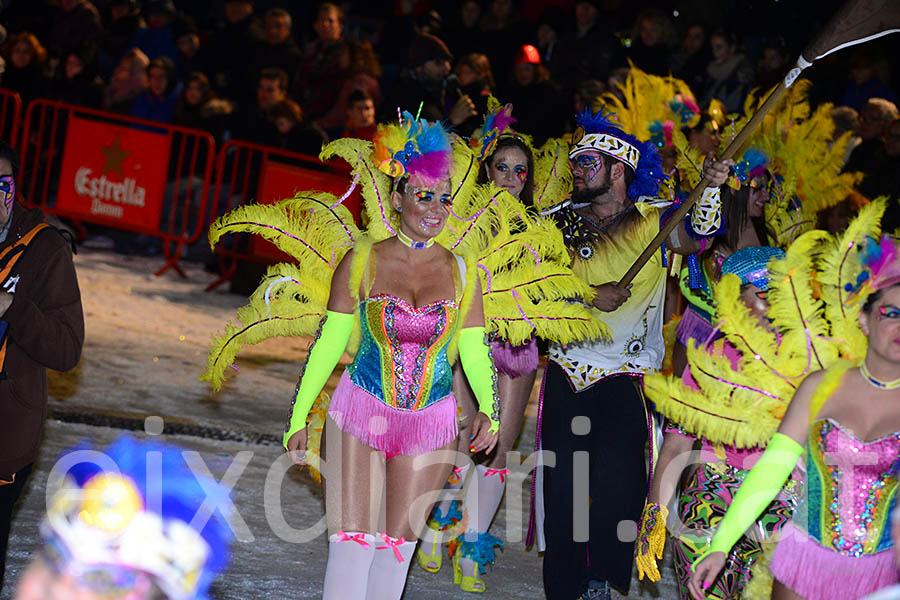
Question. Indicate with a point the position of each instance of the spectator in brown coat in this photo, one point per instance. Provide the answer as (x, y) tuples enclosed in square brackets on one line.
[(42, 327)]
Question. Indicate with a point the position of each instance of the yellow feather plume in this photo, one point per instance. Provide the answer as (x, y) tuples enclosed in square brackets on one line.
[(375, 185), (839, 267), (465, 170), (796, 312), (287, 302), (645, 99), (522, 263), (689, 160), (291, 298), (552, 174), (817, 327)]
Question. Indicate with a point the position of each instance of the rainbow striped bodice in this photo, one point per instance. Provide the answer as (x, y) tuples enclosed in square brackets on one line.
[(402, 357), (851, 489)]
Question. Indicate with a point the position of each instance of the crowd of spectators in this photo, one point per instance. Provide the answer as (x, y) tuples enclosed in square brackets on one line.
[(293, 75)]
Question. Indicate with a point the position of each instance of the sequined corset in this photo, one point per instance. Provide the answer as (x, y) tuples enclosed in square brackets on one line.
[(402, 357), (851, 488)]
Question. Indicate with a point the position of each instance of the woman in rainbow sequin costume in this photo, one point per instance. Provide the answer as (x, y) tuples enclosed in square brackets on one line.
[(718, 470), (838, 544), (402, 300), (415, 303), (506, 160)]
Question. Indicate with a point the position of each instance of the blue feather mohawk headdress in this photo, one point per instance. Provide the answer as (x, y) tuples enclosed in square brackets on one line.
[(132, 507), (599, 132)]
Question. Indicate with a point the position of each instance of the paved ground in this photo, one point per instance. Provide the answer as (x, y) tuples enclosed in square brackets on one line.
[(145, 347)]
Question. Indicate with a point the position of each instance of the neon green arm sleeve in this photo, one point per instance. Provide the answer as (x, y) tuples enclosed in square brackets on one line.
[(479, 368), (323, 357), (759, 488)]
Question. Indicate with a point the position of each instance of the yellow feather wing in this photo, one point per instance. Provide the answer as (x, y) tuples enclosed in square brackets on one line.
[(839, 267), (375, 185), (552, 174), (796, 311), (291, 298)]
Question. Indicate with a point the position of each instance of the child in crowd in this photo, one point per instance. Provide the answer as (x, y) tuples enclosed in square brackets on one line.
[(360, 116)]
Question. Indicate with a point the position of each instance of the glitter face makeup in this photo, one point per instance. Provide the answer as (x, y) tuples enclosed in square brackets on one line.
[(588, 164), (521, 172), (8, 189), (508, 168), (889, 311), (428, 196), (423, 211)]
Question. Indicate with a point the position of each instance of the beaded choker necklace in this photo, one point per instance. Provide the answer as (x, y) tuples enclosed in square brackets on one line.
[(882, 385), (411, 243)]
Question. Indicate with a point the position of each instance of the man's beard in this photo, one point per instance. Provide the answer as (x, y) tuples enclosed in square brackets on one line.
[(587, 195)]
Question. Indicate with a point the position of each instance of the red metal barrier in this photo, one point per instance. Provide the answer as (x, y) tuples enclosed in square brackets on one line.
[(10, 116), (122, 172), (247, 172)]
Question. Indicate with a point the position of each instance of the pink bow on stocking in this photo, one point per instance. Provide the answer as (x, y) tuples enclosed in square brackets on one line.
[(392, 543), (359, 538), (501, 472)]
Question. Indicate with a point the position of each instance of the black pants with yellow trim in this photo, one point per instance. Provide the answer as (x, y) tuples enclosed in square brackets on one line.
[(598, 436)]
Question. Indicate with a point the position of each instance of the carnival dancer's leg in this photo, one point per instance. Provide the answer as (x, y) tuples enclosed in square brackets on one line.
[(514, 394), (618, 481), (354, 482), (446, 515), (564, 558), (412, 484), (783, 592), (702, 504)]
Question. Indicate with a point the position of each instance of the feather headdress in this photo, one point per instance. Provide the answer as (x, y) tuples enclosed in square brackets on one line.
[(120, 513), (415, 149), (652, 107), (880, 267), (751, 165), (803, 160), (599, 132), (496, 123)]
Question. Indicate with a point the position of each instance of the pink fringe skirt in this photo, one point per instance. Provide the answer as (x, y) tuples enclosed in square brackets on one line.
[(816, 572), (392, 430), (515, 361), (693, 326)]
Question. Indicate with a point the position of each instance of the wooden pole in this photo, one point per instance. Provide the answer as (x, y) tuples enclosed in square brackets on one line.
[(678, 216)]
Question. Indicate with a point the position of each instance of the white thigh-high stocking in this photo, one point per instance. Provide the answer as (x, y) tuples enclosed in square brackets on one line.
[(490, 483), (350, 557), (451, 490), (387, 573)]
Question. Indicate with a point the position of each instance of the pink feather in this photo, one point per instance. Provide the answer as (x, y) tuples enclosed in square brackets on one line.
[(503, 119), (668, 126), (885, 269), (429, 169), (689, 102)]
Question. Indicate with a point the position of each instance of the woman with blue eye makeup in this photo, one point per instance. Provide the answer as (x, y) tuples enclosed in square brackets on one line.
[(845, 423), (413, 305), (510, 165)]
